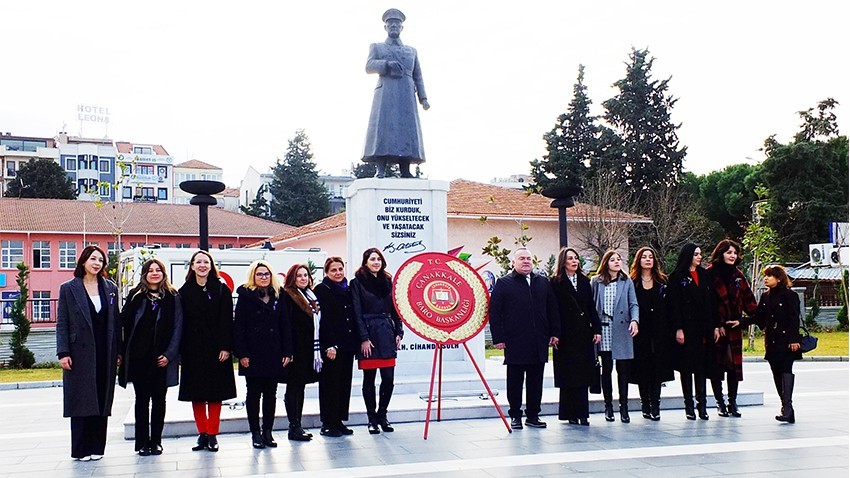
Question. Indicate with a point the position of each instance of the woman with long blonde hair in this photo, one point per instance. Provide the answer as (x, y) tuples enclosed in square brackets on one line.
[(262, 341)]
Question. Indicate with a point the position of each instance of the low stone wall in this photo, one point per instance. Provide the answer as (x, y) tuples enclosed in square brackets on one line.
[(42, 343)]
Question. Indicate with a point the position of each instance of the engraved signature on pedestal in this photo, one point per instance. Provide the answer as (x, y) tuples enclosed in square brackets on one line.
[(407, 247)]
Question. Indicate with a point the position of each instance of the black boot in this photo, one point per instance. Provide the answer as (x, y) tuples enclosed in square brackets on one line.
[(385, 393), (733, 397), (212, 443), (404, 168), (609, 412), (373, 423), (203, 440), (655, 410), (688, 394), (257, 440), (787, 403), (381, 168), (717, 389), (643, 390), (268, 439), (624, 413), (721, 407), (701, 398)]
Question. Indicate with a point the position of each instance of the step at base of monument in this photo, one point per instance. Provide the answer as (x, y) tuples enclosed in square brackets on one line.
[(407, 408)]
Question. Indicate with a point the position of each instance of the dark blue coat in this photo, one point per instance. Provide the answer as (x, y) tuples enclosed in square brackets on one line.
[(524, 318), (377, 319), (262, 333)]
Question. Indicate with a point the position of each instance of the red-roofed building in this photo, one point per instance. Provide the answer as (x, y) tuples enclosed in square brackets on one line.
[(194, 170), (476, 213), (49, 234), (148, 175)]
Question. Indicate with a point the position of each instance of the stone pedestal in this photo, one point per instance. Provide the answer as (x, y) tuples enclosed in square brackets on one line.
[(403, 217)]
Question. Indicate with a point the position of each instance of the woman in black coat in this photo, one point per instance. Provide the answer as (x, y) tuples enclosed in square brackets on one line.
[(339, 342), (692, 318), (652, 364), (574, 358), (152, 323), (88, 331), (262, 341), (778, 314), (304, 311), (206, 370), (380, 332)]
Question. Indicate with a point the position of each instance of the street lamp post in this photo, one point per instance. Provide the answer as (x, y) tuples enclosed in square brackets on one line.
[(562, 199), (203, 191)]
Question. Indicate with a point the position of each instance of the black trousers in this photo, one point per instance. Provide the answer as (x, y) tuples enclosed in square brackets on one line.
[(386, 391), (150, 411), (623, 369), (335, 388), (257, 387), (573, 403), (779, 366), (293, 398), (88, 436), (532, 374)]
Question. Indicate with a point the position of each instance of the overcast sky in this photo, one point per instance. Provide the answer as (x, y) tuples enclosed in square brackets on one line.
[(228, 83)]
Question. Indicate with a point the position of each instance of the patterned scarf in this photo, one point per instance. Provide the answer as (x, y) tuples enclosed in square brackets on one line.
[(313, 302)]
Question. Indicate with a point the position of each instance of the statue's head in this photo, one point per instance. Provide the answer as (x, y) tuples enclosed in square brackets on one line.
[(393, 19)]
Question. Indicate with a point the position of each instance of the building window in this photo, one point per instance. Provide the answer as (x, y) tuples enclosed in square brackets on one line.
[(71, 164), (137, 244), (162, 194), (182, 245), (41, 255), (10, 169), (142, 150), (104, 166), (225, 246), (41, 306), (145, 192), (127, 192), (144, 169), (67, 255), (11, 253), (86, 186), (83, 161), (164, 244), (104, 190), (114, 248)]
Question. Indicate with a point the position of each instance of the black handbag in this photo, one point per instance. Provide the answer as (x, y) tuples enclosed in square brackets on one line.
[(808, 342), (596, 384)]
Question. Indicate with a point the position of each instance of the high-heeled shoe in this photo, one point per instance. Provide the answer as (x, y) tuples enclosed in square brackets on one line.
[(624, 414), (373, 427), (212, 443), (385, 425), (257, 440), (609, 412), (267, 438), (733, 408), (203, 441)]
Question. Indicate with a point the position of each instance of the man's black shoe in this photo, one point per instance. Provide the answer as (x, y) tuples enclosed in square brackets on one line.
[(535, 423), (516, 423)]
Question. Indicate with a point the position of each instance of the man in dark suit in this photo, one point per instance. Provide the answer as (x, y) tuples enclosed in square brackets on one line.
[(524, 323)]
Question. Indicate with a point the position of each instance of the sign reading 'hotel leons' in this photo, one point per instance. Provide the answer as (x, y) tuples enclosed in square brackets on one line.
[(440, 298)]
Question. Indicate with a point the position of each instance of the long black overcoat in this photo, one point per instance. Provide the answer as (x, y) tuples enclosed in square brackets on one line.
[(653, 362), (693, 309), (338, 327), (377, 319), (207, 330), (75, 338), (301, 369), (524, 318), (262, 333), (168, 333), (574, 361)]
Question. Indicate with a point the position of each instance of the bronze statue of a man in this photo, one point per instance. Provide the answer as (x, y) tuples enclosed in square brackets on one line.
[(394, 134)]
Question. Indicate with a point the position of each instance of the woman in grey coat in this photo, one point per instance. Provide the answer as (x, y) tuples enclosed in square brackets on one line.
[(152, 323), (618, 310), (87, 335)]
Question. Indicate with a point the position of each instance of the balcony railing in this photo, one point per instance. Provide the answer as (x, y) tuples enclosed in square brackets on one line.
[(39, 311)]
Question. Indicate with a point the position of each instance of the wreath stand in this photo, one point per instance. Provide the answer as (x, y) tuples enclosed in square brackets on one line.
[(438, 356)]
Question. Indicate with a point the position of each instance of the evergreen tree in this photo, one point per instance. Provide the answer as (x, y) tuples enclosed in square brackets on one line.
[(807, 181), (42, 178), (22, 357), (571, 145), (298, 196), (259, 207), (648, 152)]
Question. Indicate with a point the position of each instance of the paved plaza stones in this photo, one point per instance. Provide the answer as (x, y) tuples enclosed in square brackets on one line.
[(34, 441)]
